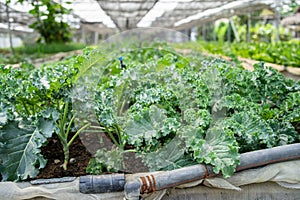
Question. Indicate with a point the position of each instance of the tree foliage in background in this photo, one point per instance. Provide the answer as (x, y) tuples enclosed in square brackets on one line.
[(49, 23)]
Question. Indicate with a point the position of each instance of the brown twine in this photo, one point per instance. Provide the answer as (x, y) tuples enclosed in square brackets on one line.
[(150, 189), (144, 186), (149, 184), (154, 183)]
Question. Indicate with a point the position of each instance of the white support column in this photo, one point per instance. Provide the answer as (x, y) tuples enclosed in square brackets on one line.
[(249, 27), (194, 33), (228, 32), (214, 32), (83, 39), (204, 32), (236, 34), (277, 20), (96, 37), (9, 29)]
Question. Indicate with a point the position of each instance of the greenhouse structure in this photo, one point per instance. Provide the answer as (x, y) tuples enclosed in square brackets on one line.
[(149, 99)]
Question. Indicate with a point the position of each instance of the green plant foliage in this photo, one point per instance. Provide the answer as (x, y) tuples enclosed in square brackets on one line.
[(64, 124), (209, 109), (217, 111), (106, 161), (283, 53), (20, 148), (219, 148), (221, 30), (30, 52), (47, 24), (168, 157), (32, 109), (149, 128), (42, 48)]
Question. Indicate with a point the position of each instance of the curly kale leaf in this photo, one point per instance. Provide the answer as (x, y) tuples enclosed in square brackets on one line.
[(20, 151), (158, 96), (170, 156), (218, 148), (290, 107), (106, 161), (150, 128), (197, 118)]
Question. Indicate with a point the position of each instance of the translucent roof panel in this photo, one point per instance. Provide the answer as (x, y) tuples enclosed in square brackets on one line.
[(225, 9), (128, 14), (184, 10), (89, 11)]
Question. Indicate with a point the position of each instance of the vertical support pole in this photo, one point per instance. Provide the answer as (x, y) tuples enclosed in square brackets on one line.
[(189, 33), (228, 32), (204, 32), (214, 31), (249, 27), (277, 20), (83, 35), (96, 37), (194, 33), (9, 29), (236, 34)]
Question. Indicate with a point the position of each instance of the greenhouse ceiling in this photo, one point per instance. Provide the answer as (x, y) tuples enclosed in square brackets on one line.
[(121, 15), (178, 14)]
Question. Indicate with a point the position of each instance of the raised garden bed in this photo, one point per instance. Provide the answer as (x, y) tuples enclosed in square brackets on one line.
[(131, 111)]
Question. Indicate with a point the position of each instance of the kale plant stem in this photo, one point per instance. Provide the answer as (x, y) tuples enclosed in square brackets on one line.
[(26, 109), (130, 150), (112, 137), (64, 143), (98, 127), (122, 107), (77, 133), (66, 155), (92, 131), (64, 117), (119, 136), (69, 126), (33, 108)]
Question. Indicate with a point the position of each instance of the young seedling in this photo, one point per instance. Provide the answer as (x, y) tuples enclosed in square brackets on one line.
[(64, 130)]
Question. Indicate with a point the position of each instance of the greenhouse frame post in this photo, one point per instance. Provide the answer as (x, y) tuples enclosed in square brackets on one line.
[(83, 35), (204, 31), (96, 37), (236, 34), (277, 19), (249, 26), (9, 28), (228, 31)]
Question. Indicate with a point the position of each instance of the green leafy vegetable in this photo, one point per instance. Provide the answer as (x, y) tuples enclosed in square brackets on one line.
[(219, 148), (106, 161), (20, 148), (168, 157), (208, 108), (150, 128), (283, 53)]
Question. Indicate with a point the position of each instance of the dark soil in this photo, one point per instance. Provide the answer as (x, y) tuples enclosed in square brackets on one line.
[(53, 152), (81, 151)]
